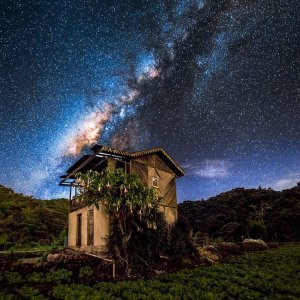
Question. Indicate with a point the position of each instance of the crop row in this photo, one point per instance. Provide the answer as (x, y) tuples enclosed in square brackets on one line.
[(272, 274)]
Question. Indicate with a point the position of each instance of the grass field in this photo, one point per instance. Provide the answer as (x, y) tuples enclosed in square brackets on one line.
[(272, 274)]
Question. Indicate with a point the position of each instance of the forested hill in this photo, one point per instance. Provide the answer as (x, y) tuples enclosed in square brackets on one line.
[(230, 216), (256, 213), (25, 220)]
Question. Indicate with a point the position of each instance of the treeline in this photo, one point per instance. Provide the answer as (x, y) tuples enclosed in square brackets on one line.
[(241, 213), (28, 221), (231, 216)]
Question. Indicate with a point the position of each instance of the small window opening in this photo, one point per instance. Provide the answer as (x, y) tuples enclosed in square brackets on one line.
[(155, 182)]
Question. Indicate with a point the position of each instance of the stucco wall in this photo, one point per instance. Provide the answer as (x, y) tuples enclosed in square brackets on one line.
[(170, 214), (101, 227)]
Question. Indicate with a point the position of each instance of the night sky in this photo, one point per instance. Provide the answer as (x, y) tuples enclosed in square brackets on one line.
[(215, 83)]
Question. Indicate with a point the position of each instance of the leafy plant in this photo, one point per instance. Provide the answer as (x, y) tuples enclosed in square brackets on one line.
[(13, 277), (35, 277), (30, 293), (272, 274), (7, 296), (3, 238), (58, 275), (118, 191), (85, 271)]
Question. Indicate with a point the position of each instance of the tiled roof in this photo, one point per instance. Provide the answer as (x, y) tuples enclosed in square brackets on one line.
[(87, 162), (104, 149)]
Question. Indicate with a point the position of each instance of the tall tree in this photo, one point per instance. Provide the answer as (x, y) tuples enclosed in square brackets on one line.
[(128, 202)]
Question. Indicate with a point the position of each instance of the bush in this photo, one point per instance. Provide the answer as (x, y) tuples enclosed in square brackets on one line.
[(30, 293), (35, 277), (85, 271), (58, 275), (13, 277), (181, 243), (149, 238)]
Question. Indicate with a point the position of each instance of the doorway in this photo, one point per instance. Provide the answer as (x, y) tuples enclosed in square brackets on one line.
[(78, 235)]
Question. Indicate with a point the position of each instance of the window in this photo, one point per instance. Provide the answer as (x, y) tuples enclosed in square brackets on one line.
[(90, 227), (155, 182), (123, 165)]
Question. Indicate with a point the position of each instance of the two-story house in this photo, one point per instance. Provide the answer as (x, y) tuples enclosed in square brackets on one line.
[(88, 226)]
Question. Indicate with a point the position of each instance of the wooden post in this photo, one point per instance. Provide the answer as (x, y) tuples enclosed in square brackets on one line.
[(70, 198), (114, 269), (106, 259), (70, 195)]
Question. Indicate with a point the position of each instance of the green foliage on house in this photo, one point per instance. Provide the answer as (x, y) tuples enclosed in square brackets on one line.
[(138, 231)]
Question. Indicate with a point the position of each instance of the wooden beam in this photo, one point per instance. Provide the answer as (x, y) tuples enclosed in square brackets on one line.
[(100, 163), (78, 168)]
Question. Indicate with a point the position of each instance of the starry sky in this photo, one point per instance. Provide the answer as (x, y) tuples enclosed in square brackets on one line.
[(213, 82)]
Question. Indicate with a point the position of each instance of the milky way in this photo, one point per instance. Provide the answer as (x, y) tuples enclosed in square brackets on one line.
[(215, 83)]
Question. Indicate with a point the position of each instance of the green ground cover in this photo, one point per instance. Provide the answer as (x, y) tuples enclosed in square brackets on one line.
[(271, 274)]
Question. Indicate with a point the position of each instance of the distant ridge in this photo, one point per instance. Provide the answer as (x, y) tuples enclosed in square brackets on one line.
[(239, 213)]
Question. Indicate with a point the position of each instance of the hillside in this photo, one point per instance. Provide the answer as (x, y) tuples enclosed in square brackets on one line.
[(256, 213), (26, 221)]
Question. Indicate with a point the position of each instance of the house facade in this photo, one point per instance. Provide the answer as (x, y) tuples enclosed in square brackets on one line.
[(88, 225)]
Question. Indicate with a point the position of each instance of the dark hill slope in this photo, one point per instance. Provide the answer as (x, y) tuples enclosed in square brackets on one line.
[(256, 213), (25, 220)]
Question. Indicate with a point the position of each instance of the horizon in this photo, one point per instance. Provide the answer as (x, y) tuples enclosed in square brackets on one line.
[(214, 83), (178, 202)]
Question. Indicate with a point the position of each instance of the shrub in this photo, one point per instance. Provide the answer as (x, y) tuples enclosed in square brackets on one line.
[(13, 277), (30, 293), (181, 243), (58, 275), (85, 271), (7, 296), (35, 277)]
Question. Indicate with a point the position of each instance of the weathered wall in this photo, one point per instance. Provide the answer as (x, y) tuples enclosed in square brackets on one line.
[(152, 165), (111, 163), (170, 213), (101, 227)]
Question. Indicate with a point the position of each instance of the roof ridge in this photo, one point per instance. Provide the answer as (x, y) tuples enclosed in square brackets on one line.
[(147, 150), (100, 148), (157, 149)]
